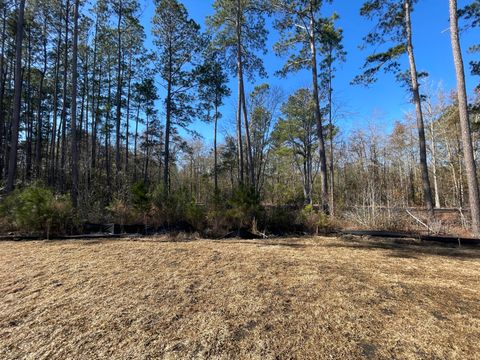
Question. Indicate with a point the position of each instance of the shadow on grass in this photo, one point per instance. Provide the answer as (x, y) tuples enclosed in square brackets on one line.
[(404, 249), (267, 243), (399, 248)]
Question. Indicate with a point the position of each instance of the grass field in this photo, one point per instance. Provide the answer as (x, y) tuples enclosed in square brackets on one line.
[(318, 298)]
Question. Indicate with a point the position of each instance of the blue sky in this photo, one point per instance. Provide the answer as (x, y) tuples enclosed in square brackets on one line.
[(383, 102)]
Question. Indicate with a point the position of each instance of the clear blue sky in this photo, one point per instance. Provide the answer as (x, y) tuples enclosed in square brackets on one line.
[(383, 102)]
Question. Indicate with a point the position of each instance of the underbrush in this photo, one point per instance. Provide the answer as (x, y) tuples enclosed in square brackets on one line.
[(38, 210)]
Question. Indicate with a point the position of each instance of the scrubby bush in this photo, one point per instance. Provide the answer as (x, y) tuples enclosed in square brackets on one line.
[(141, 201), (314, 221), (35, 209), (140, 197), (121, 213), (195, 216), (244, 207), (171, 209), (283, 220), (217, 219)]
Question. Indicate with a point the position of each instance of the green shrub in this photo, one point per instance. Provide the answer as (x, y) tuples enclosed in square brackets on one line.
[(120, 212), (169, 208), (36, 209), (217, 219), (244, 207), (314, 221), (195, 216), (140, 197)]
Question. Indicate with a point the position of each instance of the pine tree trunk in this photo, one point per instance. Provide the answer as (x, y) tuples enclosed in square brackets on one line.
[(127, 126), (64, 103), (2, 93), (147, 155), (318, 116), (427, 191), (215, 155), (107, 130), (119, 90), (73, 117), (434, 165), (51, 157), (166, 161), (250, 165), (95, 102), (241, 170), (29, 110), (330, 124), (468, 156), (137, 120), (39, 136), (12, 167)]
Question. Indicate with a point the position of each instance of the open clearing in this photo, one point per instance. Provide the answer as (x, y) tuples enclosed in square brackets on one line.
[(317, 298)]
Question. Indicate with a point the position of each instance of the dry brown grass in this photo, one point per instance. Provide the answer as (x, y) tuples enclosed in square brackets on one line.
[(313, 298)]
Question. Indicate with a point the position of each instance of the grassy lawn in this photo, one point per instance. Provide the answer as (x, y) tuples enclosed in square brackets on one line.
[(318, 298)]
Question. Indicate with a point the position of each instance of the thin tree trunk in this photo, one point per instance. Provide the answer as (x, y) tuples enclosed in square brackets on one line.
[(166, 173), (330, 124), (96, 121), (119, 89), (51, 157), (73, 118), (64, 102), (147, 147), (427, 191), (215, 155), (127, 126), (16, 100), (95, 102), (434, 164), (468, 156), (28, 113), (38, 143), (239, 102), (135, 143), (2, 92), (250, 164), (10, 74), (107, 130), (318, 116), (166, 180)]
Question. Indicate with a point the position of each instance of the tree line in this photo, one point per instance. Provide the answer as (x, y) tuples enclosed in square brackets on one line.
[(79, 96)]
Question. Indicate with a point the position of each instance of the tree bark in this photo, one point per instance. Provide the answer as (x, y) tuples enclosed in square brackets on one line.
[(127, 126), (29, 111), (73, 118), (38, 142), (166, 169), (12, 167), (2, 92), (95, 102), (318, 115), (330, 124), (119, 89), (51, 157), (250, 164), (215, 155), (468, 156), (64, 102), (427, 191), (241, 170)]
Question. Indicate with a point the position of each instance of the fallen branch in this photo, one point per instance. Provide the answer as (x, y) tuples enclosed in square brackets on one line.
[(419, 221)]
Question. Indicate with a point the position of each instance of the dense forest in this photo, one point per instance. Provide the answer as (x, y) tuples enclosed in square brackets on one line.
[(95, 126)]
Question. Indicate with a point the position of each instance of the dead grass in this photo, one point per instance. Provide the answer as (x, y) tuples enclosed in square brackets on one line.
[(286, 299)]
